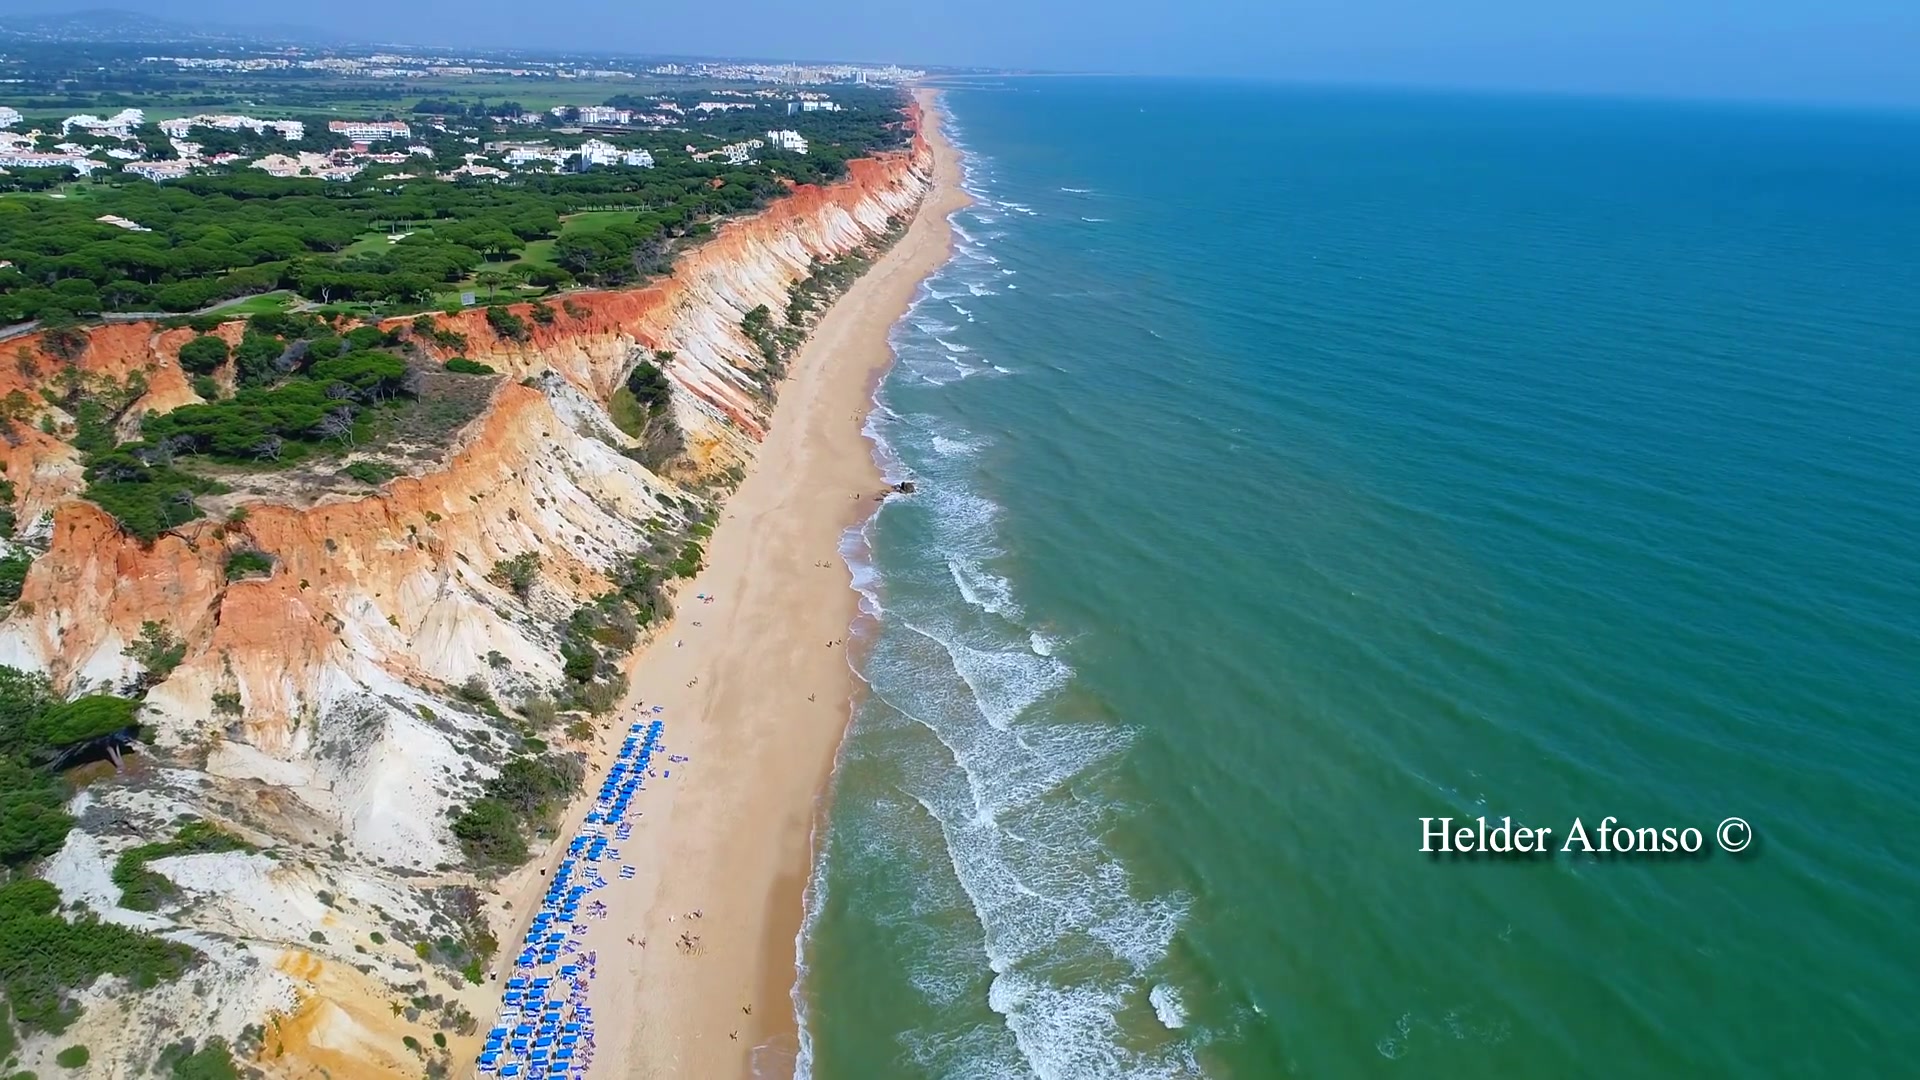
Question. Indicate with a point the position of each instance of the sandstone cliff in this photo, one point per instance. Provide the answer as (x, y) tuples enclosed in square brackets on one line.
[(314, 711)]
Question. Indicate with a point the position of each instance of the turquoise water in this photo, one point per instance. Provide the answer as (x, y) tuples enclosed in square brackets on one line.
[(1294, 465)]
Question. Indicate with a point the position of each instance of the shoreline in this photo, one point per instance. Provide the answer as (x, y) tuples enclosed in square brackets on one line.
[(758, 702)]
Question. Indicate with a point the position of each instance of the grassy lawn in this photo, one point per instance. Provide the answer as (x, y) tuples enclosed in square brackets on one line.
[(368, 244), (593, 221)]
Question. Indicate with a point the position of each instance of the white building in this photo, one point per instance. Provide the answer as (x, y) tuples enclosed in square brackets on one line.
[(290, 130), (30, 160), (605, 114), (638, 158), (518, 154), (595, 152), (788, 140), (812, 105), (9, 116), (119, 126), (305, 163), (741, 152), (158, 170), (370, 130)]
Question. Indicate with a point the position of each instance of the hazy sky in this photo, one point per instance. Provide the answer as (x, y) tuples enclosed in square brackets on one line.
[(1815, 50)]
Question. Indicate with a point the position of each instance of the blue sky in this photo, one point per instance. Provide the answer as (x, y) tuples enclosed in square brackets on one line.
[(1805, 50)]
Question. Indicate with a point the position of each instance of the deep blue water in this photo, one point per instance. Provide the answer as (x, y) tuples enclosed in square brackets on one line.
[(1296, 464)]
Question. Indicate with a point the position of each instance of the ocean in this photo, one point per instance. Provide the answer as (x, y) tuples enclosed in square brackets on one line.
[(1295, 464)]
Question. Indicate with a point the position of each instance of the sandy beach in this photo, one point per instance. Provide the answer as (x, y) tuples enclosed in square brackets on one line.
[(757, 699)]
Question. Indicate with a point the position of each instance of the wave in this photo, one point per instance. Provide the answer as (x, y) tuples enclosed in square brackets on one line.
[(947, 446), (1167, 1006), (951, 347), (1096, 220), (983, 589), (1078, 190)]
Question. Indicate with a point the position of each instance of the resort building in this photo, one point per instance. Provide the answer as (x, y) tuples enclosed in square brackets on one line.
[(594, 152), (605, 114), (306, 164), (290, 130), (483, 172), (518, 154), (9, 116), (119, 126), (638, 158), (788, 140), (370, 130), (32, 160)]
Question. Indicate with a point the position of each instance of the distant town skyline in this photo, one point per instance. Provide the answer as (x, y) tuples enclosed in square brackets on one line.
[(1815, 51)]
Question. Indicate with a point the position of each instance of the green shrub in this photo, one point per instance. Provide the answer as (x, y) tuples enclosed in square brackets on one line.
[(542, 314), (143, 890), (518, 573), (13, 574), (207, 387), (73, 1057), (506, 324), (689, 561), (248, 562), (83, 718), (527, 792), (157, 650), (649, 386), (489, 835), (377, 938), (147, 500), (204, 354), (45, 958), (460, 365), (370, 472), (213, 1062)]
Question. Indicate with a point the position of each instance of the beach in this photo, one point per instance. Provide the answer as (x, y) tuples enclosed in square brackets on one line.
[(756, 691)]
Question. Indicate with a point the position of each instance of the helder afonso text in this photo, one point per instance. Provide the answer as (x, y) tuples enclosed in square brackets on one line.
[(1607, 836)]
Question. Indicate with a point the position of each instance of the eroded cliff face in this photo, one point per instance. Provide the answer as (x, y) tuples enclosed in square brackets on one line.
[(314, 711)]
